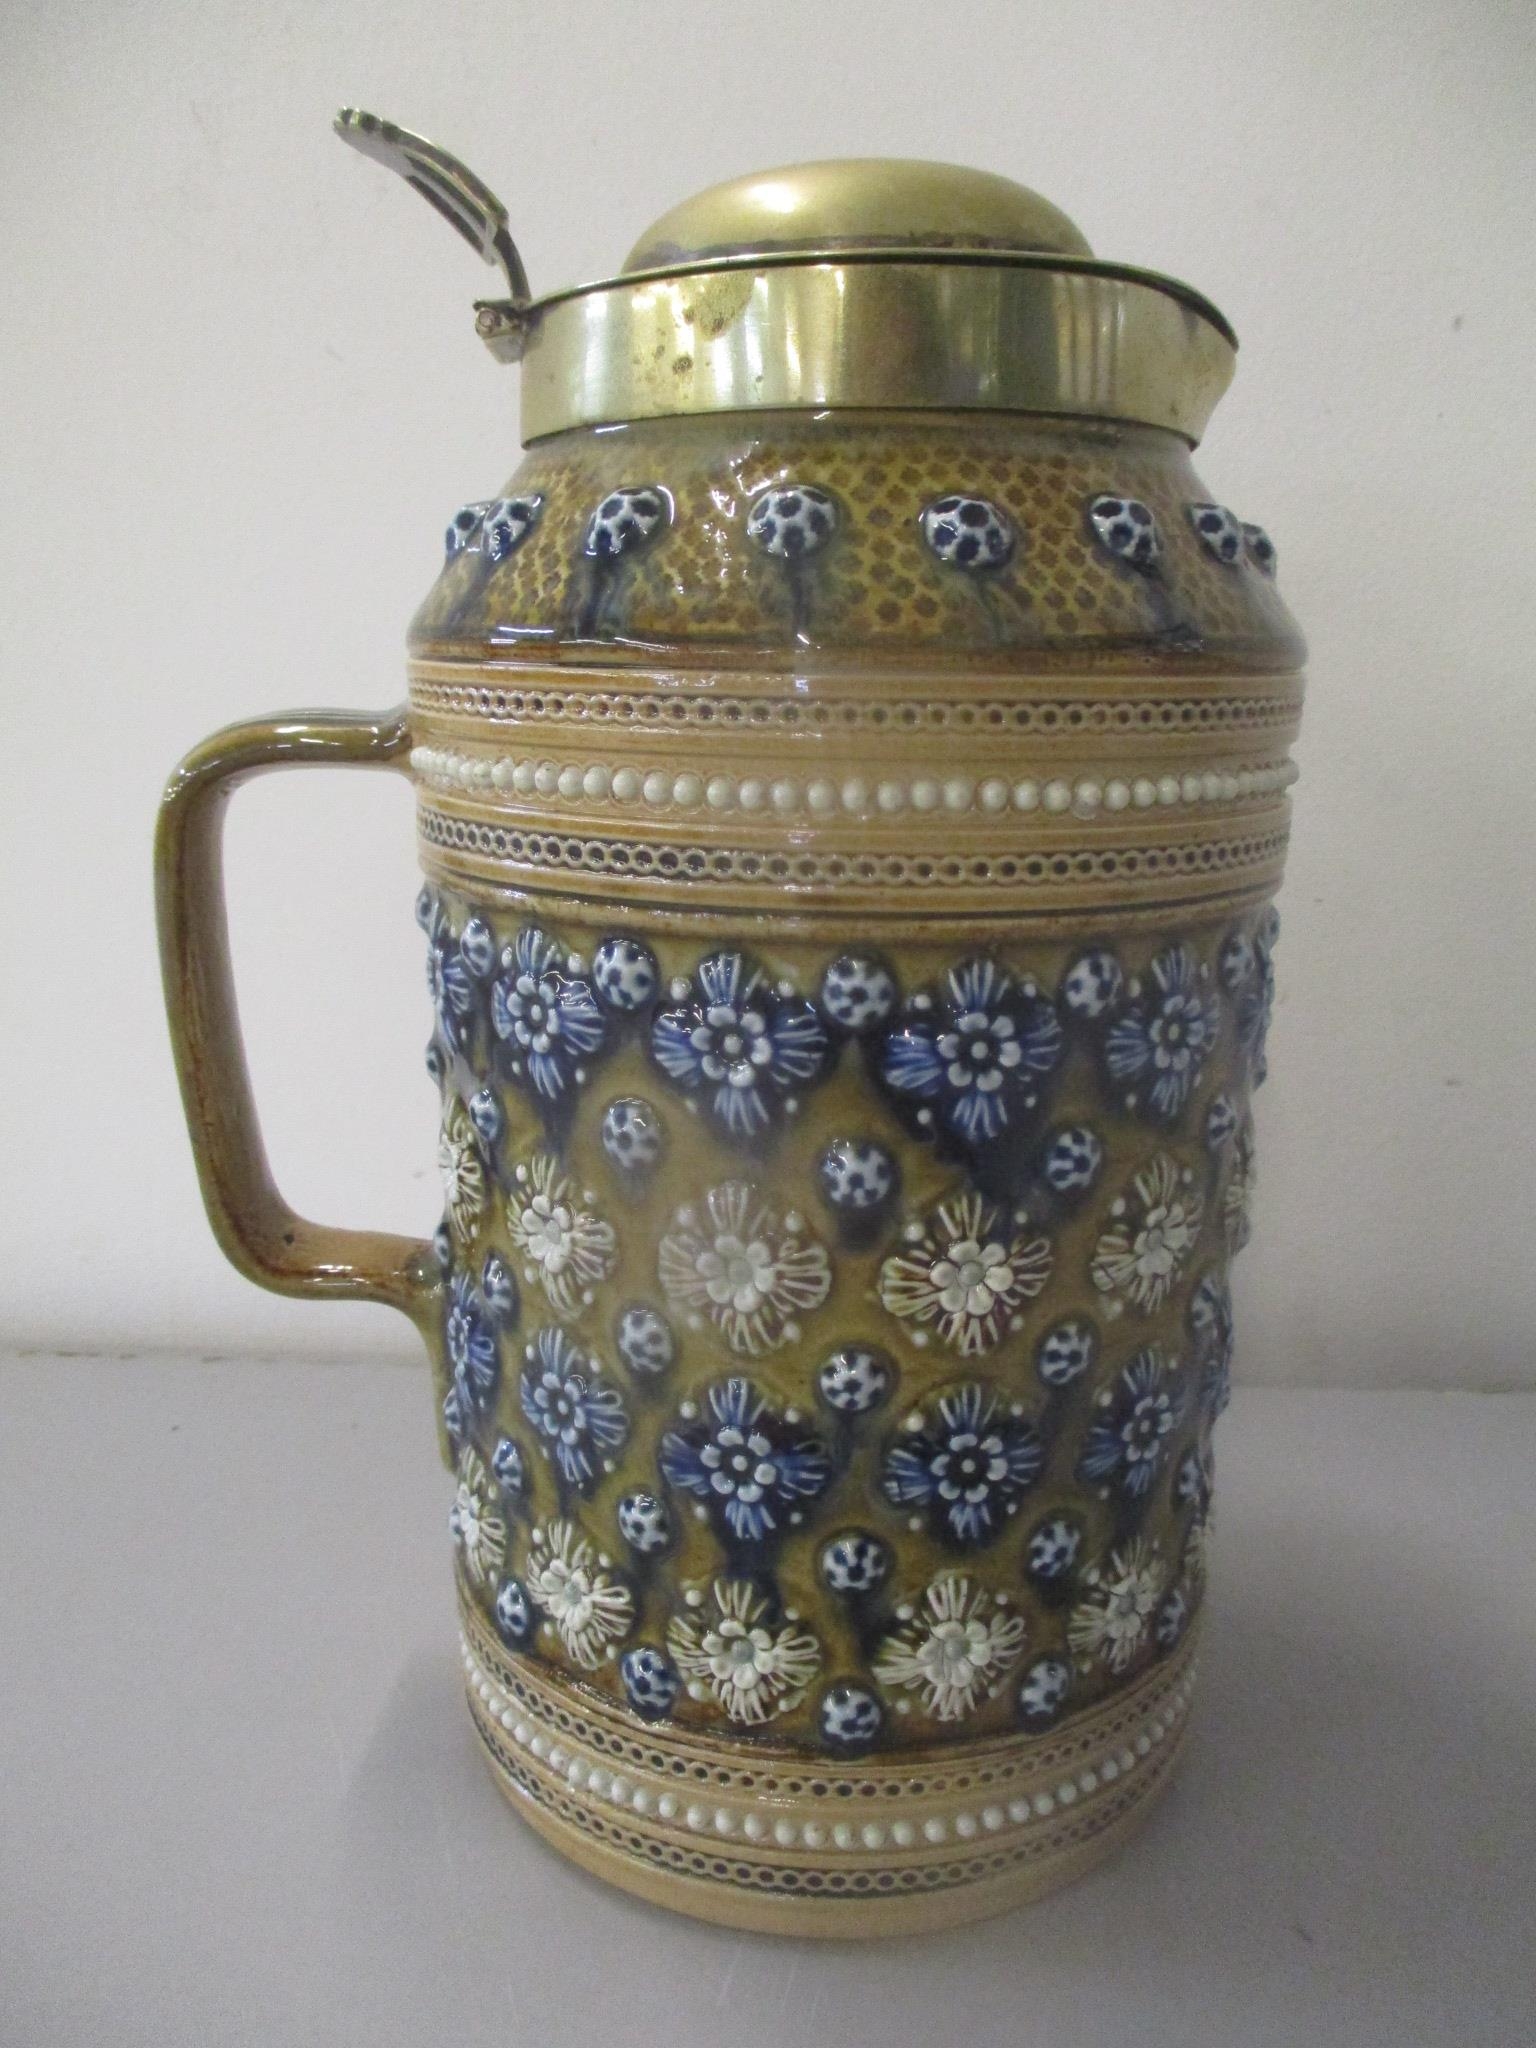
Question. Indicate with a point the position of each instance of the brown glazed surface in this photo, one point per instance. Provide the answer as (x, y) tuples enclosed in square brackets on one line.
[(1045, 785)]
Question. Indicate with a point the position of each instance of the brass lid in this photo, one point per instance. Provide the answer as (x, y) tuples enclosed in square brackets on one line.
[(872, 283)]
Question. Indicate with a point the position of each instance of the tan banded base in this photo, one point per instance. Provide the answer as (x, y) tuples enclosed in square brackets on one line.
[(804, 1846)]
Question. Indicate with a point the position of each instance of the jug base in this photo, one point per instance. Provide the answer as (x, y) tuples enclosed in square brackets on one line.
[(778, 1843)]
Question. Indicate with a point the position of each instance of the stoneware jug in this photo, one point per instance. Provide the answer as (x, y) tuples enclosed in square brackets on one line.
[(850, 759)]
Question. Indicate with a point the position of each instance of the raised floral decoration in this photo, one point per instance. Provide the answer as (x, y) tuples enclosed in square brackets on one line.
[(754, 1666), (462, 1171), (967, 1270), (1128, 1443), (581, 1420), (746, 1462), (966, 1464), (975, 1054), (545, 1014), (476, 1520), (566, 1250), (588, 1608), (1210, 1325), (474, 1362), (736, 1266), (1237, 1195), (450, 980), (1111, 1625), (1157, 1047), (956, 1649), (737, 1045), (1151, 1235)]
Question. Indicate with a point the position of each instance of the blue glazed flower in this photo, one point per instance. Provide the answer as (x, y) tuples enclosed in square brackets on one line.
[(967, 1466), (975, 1053), (579, 1417), (508, 1465), (1255, 1007), (650, 1681), (850, 1718), (855, 1379), (1066, 1351), (1158, 1046), (450, 981), (515, 1618), (747, 1463), (545, 1014), (1129, 1441), (473, 1359), (1210, 1324), (737, 1044)]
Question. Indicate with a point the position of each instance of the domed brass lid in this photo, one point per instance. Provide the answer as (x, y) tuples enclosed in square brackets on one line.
[(864, 283)]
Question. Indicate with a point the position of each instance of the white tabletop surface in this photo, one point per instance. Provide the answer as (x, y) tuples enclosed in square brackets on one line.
[(240, 1801)]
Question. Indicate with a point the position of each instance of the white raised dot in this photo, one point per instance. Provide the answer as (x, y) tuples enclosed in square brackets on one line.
[(1026, 795), (575, 1772), (903, 1834), (657, 787), (1117, 795), (993, 794), (1168, 789), (813, 1834), (936, 1829), (522, 1734), (1229, 787), (785, 795), (925, 794), (957, 793), (753, 1826), (569, 781), (1210, 787), (1143, 1745), (696, 1818), (855, 793), (1192, 788), (1157, 1731), (557, 1757), (597, 781), (666, 1806), (821, 796), (784, 1832), (752, 793), (1044, 1804), (720, 792), (842, 1835), (598, 1781), (546, 778), (1143, 793), (507, 1719), (1109, 1770), (725, 1821), (1088, 796), (1066, 1792), (522, 777), (501, 775), (992, 1818), (890, 796), (466, 773), (1127, 1760), (872, 1835), (640, 1799), (626, 785), (1057, 795), (965, 1826), (1087, 1781), (540, 1745), (1018, 1811)]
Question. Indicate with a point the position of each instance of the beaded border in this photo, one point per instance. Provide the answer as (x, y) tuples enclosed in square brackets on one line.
[(660, 789), (659, 1805)]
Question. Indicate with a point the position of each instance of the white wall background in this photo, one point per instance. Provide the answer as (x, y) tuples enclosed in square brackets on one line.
[(241, 393)]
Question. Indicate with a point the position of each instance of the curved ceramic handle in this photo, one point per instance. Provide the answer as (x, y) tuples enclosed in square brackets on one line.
[(257, 1230)]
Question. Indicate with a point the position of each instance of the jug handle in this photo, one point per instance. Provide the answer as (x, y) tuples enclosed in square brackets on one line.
[(257, 1230)]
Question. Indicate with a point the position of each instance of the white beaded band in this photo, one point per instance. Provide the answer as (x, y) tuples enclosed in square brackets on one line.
[(851, 796)]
